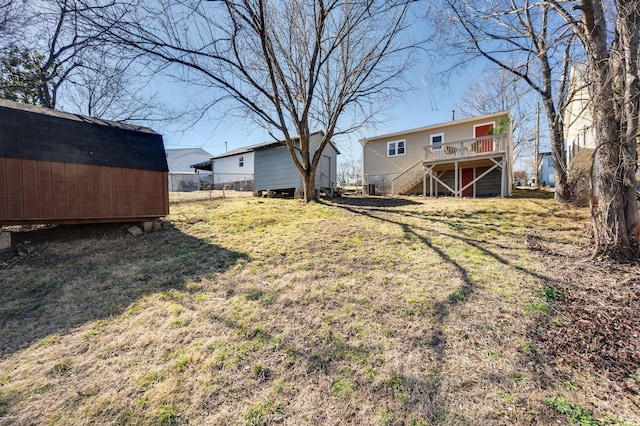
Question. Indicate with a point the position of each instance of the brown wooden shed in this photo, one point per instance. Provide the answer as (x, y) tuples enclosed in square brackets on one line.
[(57, 167)]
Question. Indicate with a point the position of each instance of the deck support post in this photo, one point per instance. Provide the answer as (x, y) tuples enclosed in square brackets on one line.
[(424, 182), (503, 177), (455, 180)]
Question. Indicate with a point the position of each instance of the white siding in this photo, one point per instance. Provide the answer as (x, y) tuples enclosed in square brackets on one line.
[(376, 162), (274, 168), (180, 160)]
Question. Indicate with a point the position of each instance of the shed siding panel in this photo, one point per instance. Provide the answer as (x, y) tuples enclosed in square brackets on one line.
[(41, 192), (29, 184), (95, 185), (4, 211), (274, 169), (59, 202), (73, 190), (331, 156), (85, 209), (106, 196), (15, 187), (46, 190), (116, 186)]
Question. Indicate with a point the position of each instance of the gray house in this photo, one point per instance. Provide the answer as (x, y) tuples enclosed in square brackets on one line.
[(272, 166)]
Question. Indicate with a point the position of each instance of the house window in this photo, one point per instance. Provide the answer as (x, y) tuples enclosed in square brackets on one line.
[(436, 141), (241, 162), (396, 148), (549, 162)]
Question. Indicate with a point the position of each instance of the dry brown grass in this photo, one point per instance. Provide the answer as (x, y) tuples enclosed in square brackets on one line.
[(266, 311), (179, 197)]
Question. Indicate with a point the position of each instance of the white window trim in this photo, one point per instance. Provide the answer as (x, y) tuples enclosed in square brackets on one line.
[(434, 135), (404, 141)]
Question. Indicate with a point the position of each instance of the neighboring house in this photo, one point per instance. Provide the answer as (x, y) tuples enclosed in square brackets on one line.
[(462, 158), (233, 169), (183, 177), (546, 177), (57, 167), (579, 134), (578, 122), (271, 167)]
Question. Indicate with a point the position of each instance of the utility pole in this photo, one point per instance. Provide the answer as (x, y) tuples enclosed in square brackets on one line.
[(537, 147)]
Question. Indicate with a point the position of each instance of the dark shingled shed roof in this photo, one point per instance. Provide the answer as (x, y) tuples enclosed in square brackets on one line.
[(42, 134)]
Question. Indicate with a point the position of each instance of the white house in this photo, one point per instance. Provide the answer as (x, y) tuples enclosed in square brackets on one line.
[(578, 122), (183, 177), (233, 169)]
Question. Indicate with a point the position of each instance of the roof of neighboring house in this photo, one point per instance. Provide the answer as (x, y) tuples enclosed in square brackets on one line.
[(435, 126), (206, 165), (247, 149), (179, 152), (42, 134), (180, 159)]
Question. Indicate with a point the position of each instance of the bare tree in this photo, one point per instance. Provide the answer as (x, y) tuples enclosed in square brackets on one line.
[(291, 66), (499, 90), (349, 168), (106, 86), (526, 39), (610, 38), (61, 60), (11, 12)]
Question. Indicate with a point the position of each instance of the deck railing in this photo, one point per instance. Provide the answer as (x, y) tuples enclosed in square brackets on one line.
[(484, 145)]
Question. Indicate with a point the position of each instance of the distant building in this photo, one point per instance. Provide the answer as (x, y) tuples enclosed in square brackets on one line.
[(183, 177), (268, 167), (461, 158), (546, 176)]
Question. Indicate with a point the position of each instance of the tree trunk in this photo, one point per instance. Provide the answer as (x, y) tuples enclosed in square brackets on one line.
[(309, 184), (614, 73)]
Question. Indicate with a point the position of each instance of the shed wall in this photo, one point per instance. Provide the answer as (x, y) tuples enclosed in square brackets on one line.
[(274, 169), (327, 171), (34, 191)]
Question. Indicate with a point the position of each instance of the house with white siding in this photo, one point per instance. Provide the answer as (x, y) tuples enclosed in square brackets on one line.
[(268, 167), (183, 177), (471, 157)]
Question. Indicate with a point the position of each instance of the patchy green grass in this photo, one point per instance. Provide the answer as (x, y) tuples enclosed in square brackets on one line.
[(266, 311)]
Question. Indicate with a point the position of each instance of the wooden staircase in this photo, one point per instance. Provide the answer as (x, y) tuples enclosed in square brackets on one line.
[(408, 179)]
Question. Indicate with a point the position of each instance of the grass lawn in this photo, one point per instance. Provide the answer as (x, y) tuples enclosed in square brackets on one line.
[(372, 311)]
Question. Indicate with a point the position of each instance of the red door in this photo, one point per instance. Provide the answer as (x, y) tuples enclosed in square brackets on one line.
[(466, 176), (484, 130)]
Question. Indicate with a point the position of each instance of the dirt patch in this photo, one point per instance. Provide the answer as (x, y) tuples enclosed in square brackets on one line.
[(29, 241), (594, 324)]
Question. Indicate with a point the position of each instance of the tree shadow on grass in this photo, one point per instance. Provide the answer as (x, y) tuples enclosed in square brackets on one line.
[(370, 201), (430, 399), (437, 340), (59, 283)]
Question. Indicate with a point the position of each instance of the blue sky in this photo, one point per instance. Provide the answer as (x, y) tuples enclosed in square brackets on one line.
[(413, 109)]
